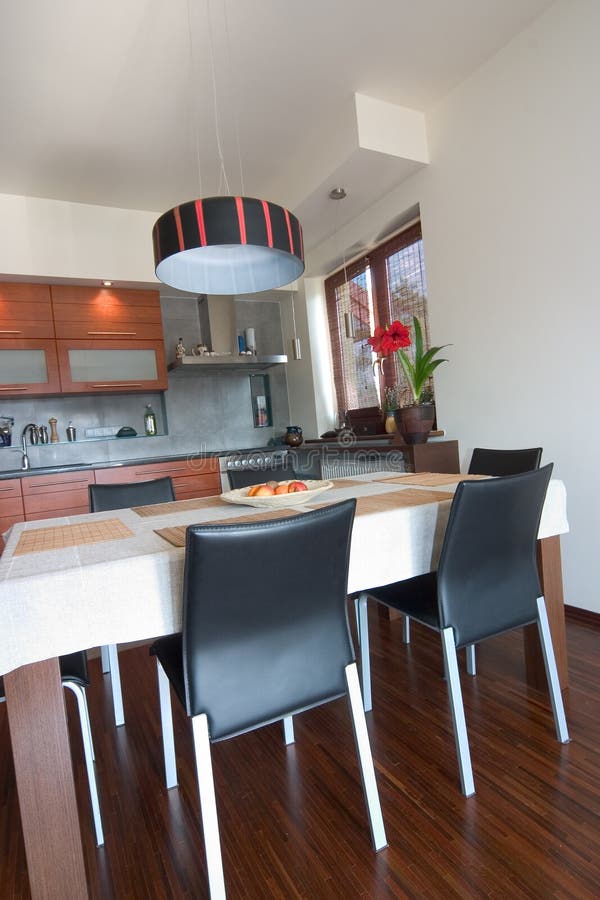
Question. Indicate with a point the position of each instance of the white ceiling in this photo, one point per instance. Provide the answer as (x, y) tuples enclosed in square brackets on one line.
[(113, 102)]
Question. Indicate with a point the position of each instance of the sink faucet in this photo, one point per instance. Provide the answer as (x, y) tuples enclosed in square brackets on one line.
[(32, 430)]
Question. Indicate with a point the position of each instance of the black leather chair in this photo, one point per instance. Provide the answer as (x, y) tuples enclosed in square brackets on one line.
[(102, 498), (504, 462), (493, 462), (487, 583), (307, 462), (280, 470), (74, 675), (265, 636)]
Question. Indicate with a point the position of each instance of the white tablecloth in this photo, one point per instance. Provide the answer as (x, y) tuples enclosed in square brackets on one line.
[(60, 601)]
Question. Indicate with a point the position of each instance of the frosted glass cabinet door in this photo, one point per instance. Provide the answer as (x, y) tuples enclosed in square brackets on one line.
[(28, 367), (108, 366)]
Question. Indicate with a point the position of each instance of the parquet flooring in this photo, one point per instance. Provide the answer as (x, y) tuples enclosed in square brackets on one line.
[(293, 823)]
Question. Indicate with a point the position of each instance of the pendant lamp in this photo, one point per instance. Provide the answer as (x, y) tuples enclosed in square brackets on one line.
[(228, 245)]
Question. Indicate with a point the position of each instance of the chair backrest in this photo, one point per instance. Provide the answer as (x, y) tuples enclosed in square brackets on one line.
[(307, 462), (487, 576), (136, 493), (504, 462), (265, 627), (280, 470)]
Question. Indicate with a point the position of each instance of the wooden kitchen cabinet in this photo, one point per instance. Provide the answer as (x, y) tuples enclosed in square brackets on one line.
[(28, 361), (11, 505), (191, 478), (25, 311), (103, 366), (28, 367), (82, 313), (47, 496)]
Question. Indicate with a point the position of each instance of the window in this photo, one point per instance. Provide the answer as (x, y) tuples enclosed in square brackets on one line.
[(387, 284)]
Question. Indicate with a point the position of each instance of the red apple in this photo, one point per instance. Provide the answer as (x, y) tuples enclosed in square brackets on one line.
[(282, 488), (295, 486), (264, 490)]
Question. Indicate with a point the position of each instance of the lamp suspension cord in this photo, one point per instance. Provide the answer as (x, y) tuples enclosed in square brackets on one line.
[(223, 173), (195, 114), (236, 100)]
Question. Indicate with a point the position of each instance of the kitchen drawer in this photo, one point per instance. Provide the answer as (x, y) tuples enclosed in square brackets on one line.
[(65, 494), (11, 503), (191, 478)]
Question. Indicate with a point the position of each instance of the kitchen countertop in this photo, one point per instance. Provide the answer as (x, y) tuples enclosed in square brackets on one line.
[(112, 464)]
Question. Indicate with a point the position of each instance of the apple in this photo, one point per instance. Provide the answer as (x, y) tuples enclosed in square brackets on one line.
[(282, 488), (264, 490), (295, 486)]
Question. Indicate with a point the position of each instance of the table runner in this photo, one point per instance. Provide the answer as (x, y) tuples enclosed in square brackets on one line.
[(173, 506), (431, 479), (393, 500), (59, 536)]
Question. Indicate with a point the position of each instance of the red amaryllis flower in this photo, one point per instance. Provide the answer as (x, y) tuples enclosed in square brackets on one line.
[(377, 338)]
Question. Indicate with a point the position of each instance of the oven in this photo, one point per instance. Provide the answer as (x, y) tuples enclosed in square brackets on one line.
[(252, 458)]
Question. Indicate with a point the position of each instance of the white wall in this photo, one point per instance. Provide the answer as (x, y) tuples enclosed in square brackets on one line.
[(51, 239), (510, 218)]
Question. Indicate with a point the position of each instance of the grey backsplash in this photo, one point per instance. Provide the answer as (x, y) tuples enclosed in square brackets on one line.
[(200, 412)]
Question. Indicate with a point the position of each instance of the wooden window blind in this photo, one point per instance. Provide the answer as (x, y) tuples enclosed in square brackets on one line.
[(387, 284)]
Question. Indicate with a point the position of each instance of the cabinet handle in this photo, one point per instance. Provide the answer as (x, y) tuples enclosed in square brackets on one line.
[(126, 333), (13, 389), (119, 384), (10, 331)]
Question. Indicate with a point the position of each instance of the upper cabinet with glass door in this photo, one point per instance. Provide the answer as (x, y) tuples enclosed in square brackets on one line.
[(28, 361)]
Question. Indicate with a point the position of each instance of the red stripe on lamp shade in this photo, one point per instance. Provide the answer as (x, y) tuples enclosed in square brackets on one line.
[(239, 205), (177, 216), (289, 228), (267, 213), (200, 220)]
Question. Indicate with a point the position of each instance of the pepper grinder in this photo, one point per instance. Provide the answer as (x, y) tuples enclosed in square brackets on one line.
[(53, 431)]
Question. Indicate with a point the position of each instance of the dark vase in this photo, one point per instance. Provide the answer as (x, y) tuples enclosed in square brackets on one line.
[(415, 422), (293, 436)]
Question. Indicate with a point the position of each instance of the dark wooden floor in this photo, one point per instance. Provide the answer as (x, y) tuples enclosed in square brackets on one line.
[(293, 822)]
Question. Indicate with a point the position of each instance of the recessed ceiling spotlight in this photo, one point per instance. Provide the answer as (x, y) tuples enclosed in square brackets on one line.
[(106, 283), (337, 193)]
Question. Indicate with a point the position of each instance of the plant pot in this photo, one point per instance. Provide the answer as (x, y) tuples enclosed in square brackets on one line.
[(415, 422)]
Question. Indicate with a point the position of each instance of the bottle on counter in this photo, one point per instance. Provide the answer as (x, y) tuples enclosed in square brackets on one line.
[(149, 420), (71, 432)]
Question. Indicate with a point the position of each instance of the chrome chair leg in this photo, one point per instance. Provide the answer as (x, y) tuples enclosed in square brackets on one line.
[(470, 658), (406, 630), (365, 758), (105, 660), (88, 753), (458, 712), (208, 807), (166, 724), (560, 721), (362, 624), (115, 682), (288, 729)]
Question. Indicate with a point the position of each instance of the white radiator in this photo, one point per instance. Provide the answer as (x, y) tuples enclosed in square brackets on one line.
[(344, 465)]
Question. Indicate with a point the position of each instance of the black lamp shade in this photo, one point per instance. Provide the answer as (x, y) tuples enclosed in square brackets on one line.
[(228, 245)]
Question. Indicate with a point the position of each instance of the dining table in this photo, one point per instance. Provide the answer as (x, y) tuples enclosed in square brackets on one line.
[(116, 577)]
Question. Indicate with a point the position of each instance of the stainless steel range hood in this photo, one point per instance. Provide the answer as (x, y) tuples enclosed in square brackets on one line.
[(219, 334)]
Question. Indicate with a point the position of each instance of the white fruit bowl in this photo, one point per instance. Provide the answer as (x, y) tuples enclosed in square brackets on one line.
[(276, 501)]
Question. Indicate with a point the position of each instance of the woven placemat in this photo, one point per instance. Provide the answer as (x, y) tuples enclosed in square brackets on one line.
[(394, 500), (431, 479), (345, 482), (176, 534), (58, 537), (174, 506)]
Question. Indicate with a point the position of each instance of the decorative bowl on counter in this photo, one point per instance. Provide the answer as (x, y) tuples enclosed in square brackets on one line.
[(278, 501)]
